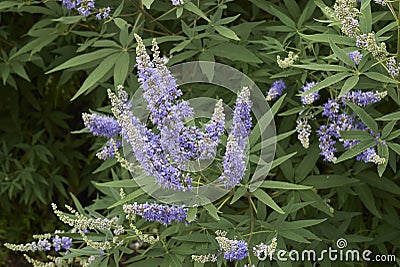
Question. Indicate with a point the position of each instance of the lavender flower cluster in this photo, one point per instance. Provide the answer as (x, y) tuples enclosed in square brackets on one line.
[(232, 249), (86, 7), (356, 57), (156, 212), (329, 134), (164, 155)]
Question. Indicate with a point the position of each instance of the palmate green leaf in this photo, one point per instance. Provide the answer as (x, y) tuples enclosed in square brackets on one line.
[(325, 38), (389, 117), (171, 260), (194, 237), (68, 20), (147, 3), (84, 59), (259, 128), (330, 80), (367, 198), (182, 250), (234, 52), (277, 105), (293, 236), (291, 111), (349, 84), (271, 141), (299, 224), (286, 74), (381, 183), (227, 20), (282, 159), (379, 77), (37, 44), (343, 56), (240, 191), (356, 150), (391, 26), (226, 32), (328, 181), (119, 9), (388, 129), (128, 198), (355, 135), (366, 16), (317, 201), (179, 12), (306, 13), (282, 17), (105, 165), (325, 67), (18, 69), (364, 116), (309, 162), (191, 214), (8, 4), (293, 8), (181, 57), (4, 72), (78, 205), (267, 200), (106, 43), (189, 6), (393, 135), (94, 77), (284, 185)]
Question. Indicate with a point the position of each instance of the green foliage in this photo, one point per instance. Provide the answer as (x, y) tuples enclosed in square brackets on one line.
[(55, 64)]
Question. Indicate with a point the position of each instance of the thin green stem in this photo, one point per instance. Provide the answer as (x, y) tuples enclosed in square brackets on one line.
[(251, 220)]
